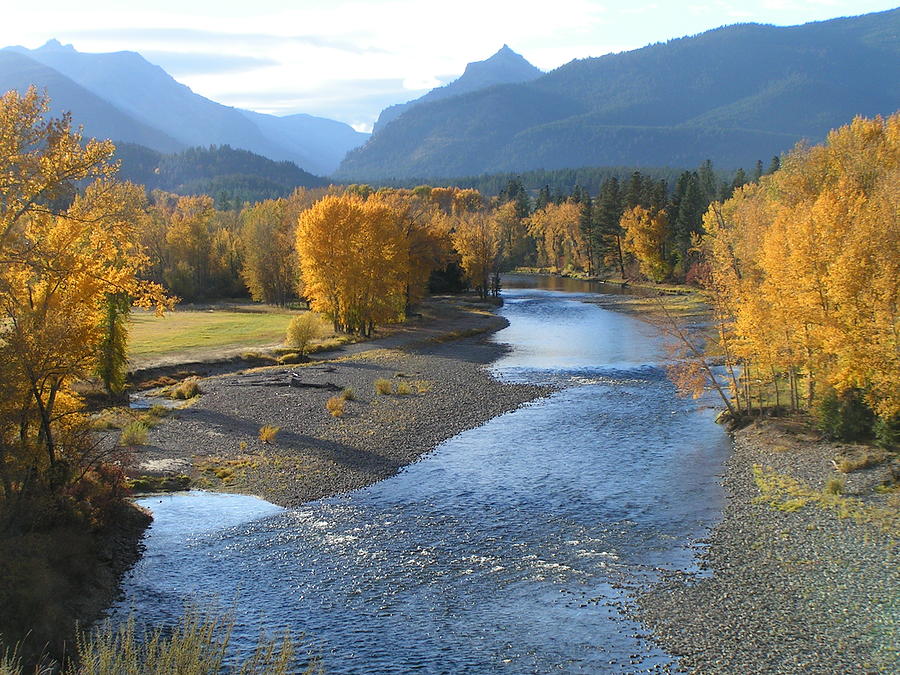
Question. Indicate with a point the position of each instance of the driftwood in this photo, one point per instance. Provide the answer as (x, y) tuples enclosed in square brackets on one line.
[(293, 381)]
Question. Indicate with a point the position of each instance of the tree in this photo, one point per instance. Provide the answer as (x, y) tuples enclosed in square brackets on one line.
[(270, 267), (557, 232), (804, 268), (477, 239), (67, 243), (354, 260), (646, 231)]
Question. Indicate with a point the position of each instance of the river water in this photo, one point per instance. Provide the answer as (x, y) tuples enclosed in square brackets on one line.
[(509, 549)]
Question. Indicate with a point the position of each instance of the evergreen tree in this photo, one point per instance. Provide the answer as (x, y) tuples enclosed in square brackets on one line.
[(607, 213), (775, 164)]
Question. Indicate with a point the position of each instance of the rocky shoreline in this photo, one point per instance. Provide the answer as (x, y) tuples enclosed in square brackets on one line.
[(789, 585)]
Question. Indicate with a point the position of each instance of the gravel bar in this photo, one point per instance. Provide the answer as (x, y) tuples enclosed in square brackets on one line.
[(316, 455), (786, 591)]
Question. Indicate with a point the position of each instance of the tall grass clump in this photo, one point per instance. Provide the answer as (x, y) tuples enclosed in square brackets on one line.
[(134, 434), (302, 330), (335, 405), (383, 386), (196, 646), (404, 389), (267, 433), (348, 394)]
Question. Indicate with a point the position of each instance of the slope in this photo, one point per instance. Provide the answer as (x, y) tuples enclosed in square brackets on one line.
[(504, 67), (734, 94)]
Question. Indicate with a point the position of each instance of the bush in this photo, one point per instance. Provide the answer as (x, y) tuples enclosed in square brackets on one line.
[(348, 394), (383, 386), (267, 433), (335, 405), (134, 434), (835, 486), (844, 417), (404, 389), (303, 329), (887, 431), (863, 460)]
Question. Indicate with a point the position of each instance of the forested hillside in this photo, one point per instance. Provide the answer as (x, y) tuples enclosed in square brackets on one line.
[(228, 175), (733, 94)]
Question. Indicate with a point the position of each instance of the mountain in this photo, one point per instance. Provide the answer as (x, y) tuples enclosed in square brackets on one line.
[(735, 94), (153, 99), (231, 175), (504, 67), (99, 117)]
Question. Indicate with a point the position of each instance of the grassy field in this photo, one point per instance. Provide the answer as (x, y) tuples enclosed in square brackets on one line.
[(187, 335)]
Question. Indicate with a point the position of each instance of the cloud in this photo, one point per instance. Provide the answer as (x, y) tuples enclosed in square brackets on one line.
[(182, 36), (197, 63)]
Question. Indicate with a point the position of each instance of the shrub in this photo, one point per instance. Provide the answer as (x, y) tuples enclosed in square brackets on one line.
[(383, 386), (302, 330), (335, 406), (348, 394), (887, 431), (134, 434), (835, 486), (188, 388), (404, 389), (267, 433), (844, 417), (158, 411)]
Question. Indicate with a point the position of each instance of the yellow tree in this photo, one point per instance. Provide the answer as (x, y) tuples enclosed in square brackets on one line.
[(270, 267), (476, 237), (646, 231), (64, 251), (804, 268), (427, 232), (354, 260), (189, 237), (558, 234)]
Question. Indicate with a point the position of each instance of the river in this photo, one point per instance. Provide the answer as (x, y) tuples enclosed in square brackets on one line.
[(509, 549)]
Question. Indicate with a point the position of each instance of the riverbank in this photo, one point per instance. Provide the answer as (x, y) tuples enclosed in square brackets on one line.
[(799, 580), (435, 371), (57, 581)]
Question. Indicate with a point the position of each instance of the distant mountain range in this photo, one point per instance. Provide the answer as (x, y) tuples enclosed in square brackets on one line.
[(734, 95), (122, 96), (504, 67)]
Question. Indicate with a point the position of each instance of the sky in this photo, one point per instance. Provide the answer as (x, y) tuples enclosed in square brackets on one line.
[(348, 59)]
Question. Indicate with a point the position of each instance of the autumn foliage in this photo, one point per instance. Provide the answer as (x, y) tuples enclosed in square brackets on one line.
[(65, 249), (804, 268)]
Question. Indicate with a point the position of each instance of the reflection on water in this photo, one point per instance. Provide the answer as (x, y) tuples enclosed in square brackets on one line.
[(506, 550)]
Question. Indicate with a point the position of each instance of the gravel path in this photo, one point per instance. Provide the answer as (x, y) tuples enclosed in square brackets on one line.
[(800, 591), (315, 454)]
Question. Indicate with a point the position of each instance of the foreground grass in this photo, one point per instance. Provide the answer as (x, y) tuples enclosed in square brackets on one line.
[(198, 645), (186, 332)]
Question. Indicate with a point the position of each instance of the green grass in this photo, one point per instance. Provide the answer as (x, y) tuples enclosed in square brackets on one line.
[(202, 332)]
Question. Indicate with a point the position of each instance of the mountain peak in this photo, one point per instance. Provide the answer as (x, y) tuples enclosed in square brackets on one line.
[(55, 45), (504, 67)]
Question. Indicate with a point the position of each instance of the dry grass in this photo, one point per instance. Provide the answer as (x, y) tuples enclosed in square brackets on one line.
[(788, 494), (267, 433), (403, 389), (134, 434), (864, 458), (348, 394), (383, 386), (196, 646), (184, 390), (335, 405)]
